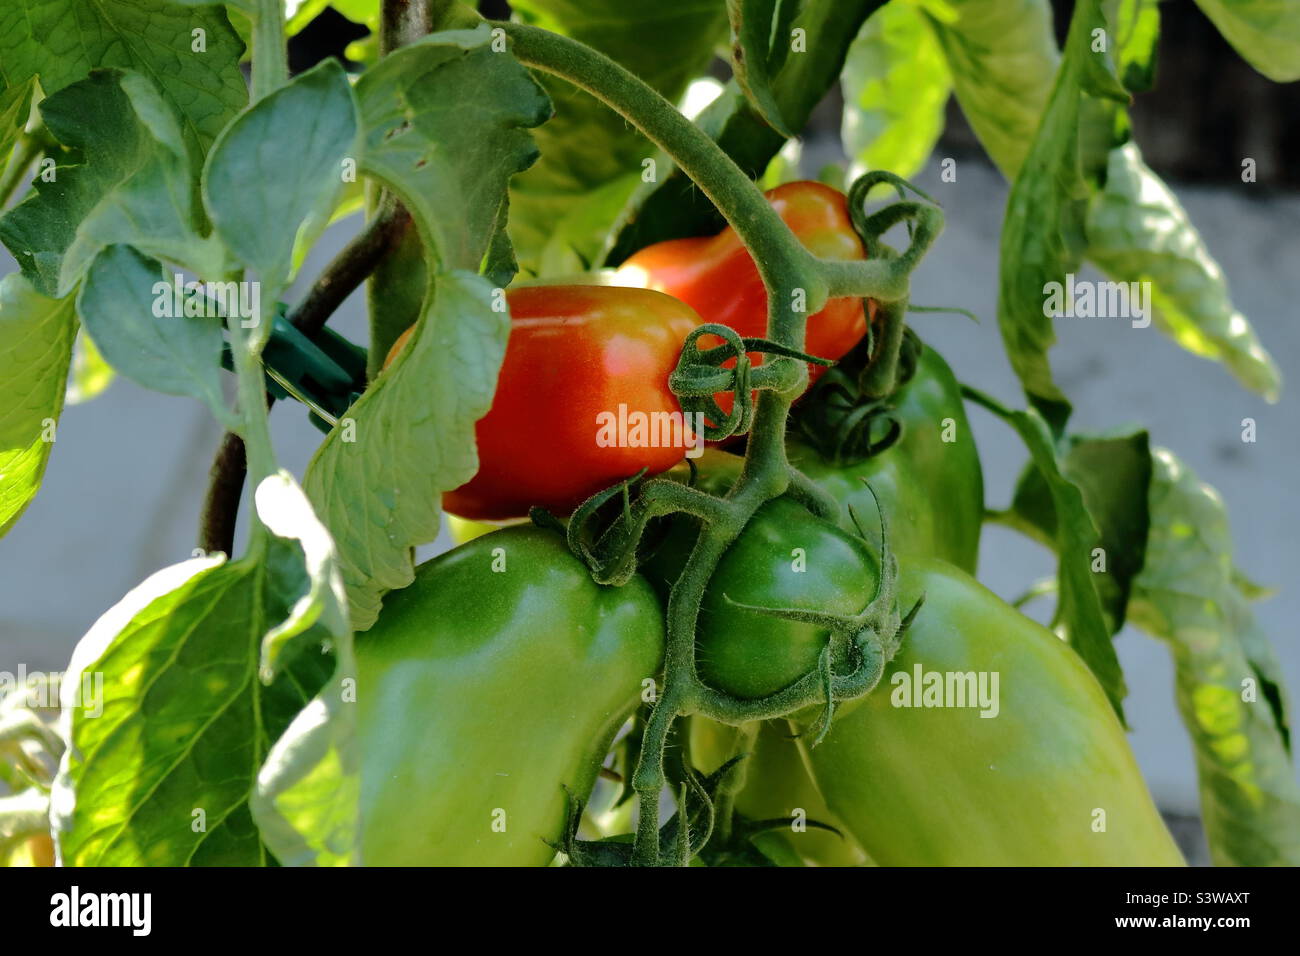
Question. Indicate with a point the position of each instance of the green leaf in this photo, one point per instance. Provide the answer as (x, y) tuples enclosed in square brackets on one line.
[(1265, 32), (1138, 232), (90, 374), (673, 206), (377, 482), (275, 175), (1227, 678), (1043, 236), (60, 41), (1080, 618), (1113, 473), (760, 44), (133, 184), (1003, 59), (36, 336), (450, 166), (305, 591), (1138, 26), (590, 156), (167, 721), (126, 306), (15, 107), (305, 11), (567, 248), (308, 795), (896, 87)]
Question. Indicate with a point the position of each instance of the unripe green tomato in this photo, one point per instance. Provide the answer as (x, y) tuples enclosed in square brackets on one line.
[(785, 558), (929, 482), (1041, 776), (498, 677)]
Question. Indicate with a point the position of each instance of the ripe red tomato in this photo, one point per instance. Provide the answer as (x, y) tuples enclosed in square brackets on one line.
[(582, 401), (716, 276)]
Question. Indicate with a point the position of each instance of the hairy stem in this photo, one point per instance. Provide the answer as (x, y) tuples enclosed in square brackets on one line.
[(783, 262)]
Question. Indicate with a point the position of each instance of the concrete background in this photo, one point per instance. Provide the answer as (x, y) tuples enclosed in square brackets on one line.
[(126, 479)]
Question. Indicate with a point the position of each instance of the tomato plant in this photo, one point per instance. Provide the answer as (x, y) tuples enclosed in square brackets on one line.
[(587, 266)]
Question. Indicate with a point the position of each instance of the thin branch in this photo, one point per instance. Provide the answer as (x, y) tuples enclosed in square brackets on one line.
[(354, 263), (221, 506), (344, 274)]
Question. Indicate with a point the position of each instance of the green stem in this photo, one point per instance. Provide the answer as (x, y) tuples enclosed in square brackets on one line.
[(254, 425), (270, 63), (783, 262), (881, 377), (725, 810)]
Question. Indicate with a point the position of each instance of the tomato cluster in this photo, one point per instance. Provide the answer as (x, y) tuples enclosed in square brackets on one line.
[(496, 634), (583, 399)]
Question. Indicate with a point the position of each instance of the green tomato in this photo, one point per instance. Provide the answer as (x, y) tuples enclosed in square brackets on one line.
[(1046, 779), (930, 487), (497, 678), (785, 558), (929, 481)]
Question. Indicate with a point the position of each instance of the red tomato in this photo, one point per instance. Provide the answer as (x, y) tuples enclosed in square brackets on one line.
[(584, 365), (716, 276)]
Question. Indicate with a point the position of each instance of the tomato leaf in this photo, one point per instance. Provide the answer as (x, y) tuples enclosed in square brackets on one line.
[(1003, 60), (1113, 473), (60, 41), (1265, 32), (896, 87), (36, 336), (263, 205), (760, 45), (414, 427), (450, 169), (176, 354), (1138, 232), (134, 184), (15, 106), (166, 719), (590, 156), (1043, 236), (377, 481), (1227, 677), (307, 798), (1080, 617), (672, 206), (306, 801)]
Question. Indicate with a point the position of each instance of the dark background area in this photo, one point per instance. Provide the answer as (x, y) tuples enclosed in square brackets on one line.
[(1207, 112)]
